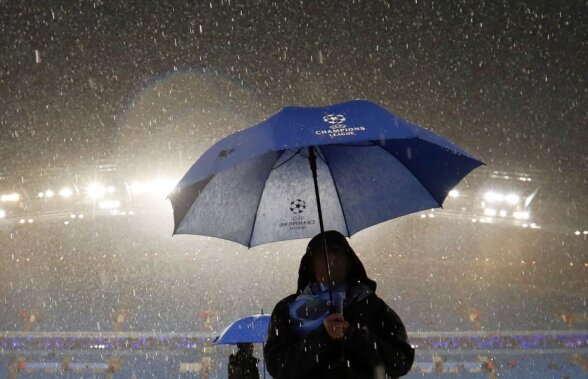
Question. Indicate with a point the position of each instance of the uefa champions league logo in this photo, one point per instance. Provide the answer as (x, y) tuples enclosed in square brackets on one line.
[(336, 121), (296, 219), (297, 206), (337, 127)]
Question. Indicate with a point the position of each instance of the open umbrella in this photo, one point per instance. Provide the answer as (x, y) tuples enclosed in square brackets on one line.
[(250, 329), (258, 185), (347, 166)]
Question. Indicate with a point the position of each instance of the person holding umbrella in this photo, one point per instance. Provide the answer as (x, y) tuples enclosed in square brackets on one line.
[(243, 365), (244, 332), (340, 329), (265, 184)]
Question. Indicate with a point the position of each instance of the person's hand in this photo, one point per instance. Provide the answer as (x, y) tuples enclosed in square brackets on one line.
[(336, 325)]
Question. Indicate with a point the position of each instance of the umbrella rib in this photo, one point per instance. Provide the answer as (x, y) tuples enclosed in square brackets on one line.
[(337, 192), (409, 170), (259, 202), (370, 144), (287, 160)]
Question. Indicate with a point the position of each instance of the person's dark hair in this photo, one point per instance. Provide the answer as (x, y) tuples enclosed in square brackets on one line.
[(244, 345), (356, 273)]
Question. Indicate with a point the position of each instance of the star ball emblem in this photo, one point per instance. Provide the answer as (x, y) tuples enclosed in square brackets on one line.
[(334, 119), (297, 206)]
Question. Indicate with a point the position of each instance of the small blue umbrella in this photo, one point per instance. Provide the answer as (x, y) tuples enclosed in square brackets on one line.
[(250, 329), (345, 167)]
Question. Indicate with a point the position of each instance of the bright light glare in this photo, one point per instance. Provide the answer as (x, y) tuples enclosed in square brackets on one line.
[(137, 188), (521, 215), (493, 196), (110, 189), (65, 192), (49, 194), (95, 190), (109, 204), (490, 212), (161, 187), (502, 213), (12, 197), (2, 213), (454, 193), (512, 198), (41, 195)]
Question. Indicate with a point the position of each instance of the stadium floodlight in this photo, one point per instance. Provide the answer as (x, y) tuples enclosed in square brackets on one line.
[(137, 188), (2, 213), (41, 195), (493, 196), (521, 215), (10, 197), (65, 192), (490, 212), (161, 186), (454, 193), (109, 204), (110, 189), (49, 194), (502, 213), (95, 190), (512, 198)]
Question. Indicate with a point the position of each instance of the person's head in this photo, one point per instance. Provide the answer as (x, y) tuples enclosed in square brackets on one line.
[(246, 348), (338, 256), (344, 264)]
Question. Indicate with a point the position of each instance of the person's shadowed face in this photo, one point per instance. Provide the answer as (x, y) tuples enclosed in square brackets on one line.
[(338, 262), (246, 348)]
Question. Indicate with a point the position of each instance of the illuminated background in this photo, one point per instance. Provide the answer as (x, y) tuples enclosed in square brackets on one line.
[(105, 105)]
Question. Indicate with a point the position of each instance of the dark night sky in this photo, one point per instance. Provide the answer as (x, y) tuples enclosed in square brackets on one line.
[(506, 81)]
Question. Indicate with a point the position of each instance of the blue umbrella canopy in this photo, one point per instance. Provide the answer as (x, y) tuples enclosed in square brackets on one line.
[(256, 186), (250, 329)]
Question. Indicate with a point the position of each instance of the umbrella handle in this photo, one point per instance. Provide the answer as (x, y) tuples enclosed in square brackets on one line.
[(313, 168)]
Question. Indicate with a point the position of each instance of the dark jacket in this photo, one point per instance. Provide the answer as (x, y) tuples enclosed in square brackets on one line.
[(375, 338), (243, 366)]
